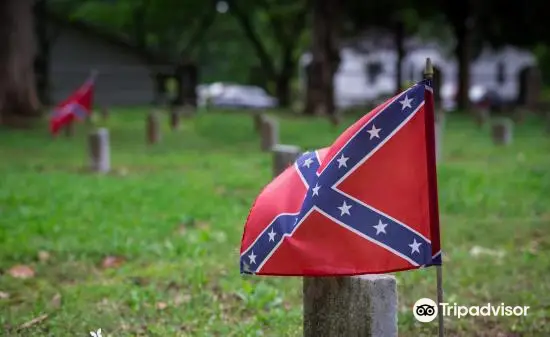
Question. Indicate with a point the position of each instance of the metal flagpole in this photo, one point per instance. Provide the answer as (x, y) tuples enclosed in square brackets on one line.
[(440, 297), (429, 74)]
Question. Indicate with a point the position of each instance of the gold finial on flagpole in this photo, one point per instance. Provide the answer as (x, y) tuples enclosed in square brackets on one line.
[(429, 70)]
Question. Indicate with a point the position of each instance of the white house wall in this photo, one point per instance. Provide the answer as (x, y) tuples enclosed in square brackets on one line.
[(352, 84)]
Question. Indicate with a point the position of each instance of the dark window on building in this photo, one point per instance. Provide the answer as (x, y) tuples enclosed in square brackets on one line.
[(501, 73), (374, 70)]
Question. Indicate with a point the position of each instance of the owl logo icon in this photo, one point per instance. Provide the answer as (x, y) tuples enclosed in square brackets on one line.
[(96, 333)]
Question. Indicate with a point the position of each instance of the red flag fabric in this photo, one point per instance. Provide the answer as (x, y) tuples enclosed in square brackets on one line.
[(365, 205), (76, 106)]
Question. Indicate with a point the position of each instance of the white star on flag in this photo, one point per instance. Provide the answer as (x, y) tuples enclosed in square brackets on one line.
[(316, 189), (308, 162), (406, 103), (374, 132), (344, 209), (381, 227), (252, 257), (415, 247), (272, 235), (342, 161)]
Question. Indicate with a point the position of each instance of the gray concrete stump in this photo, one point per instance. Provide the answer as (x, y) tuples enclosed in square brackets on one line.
[(269, 133), (502, 131), (283, 156), (100, 156), (358, 306), (258, 117), (153, 130)]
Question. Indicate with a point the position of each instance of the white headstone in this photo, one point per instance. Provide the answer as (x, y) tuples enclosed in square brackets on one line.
[(269, 133), (502, 131), (100, 157), (283, 156)]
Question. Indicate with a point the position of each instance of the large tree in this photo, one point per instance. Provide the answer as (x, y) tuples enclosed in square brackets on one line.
[(397, 16), (325, 57), (18, 99), (274, 29), (462, 18)]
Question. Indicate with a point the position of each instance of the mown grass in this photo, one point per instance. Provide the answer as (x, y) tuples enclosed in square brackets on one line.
[(175, 212)]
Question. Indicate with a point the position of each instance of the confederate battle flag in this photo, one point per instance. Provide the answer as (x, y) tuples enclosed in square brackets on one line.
[(76, 106), (365, 205)]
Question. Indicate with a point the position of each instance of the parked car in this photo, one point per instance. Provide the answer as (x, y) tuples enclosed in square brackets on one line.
[(479, 96), (230, 95)]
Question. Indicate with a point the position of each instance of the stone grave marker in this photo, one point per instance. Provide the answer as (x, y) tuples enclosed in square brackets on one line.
[(283, 156), (269, 133), (99, 151), (362, 306), (258, 117), (502, 131), (153, 128)]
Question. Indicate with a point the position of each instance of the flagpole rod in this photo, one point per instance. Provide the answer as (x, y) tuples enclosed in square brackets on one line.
[(440, 297), (429, 74)]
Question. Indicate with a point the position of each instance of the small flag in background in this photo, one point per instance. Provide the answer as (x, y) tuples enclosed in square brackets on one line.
[(365, 205), (76, 106)]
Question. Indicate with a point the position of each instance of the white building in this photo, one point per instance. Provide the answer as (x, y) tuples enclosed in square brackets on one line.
[(368, 65)]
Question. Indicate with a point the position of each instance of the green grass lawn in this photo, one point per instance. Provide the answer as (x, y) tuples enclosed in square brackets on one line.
[(175, 213)]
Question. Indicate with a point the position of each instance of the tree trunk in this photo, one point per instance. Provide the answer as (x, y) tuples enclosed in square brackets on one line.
[(283, 91), (188, 79), (140, 33), (42, 61), (18, 100), (400, 46), (463, 34), (284, 77), (325, 58)]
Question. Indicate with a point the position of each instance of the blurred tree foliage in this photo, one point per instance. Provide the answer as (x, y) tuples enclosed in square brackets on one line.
[(260, 41), (255, 42)]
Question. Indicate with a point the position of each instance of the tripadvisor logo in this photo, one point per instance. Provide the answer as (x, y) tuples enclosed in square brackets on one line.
[(426, 310)]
